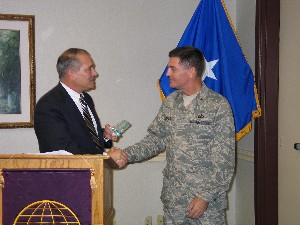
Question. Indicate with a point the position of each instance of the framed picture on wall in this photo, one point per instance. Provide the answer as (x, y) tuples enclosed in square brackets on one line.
[(17, 70)]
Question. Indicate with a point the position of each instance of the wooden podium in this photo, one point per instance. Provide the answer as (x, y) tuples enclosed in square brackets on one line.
[(101, 170)]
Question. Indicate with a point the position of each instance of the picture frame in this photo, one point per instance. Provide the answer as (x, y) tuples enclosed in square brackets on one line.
[(17, 71)]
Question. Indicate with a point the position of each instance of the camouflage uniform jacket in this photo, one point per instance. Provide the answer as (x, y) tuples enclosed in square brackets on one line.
[(200, 148)]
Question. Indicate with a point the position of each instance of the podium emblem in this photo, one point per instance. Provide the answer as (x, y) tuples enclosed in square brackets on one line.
[(46, 212)]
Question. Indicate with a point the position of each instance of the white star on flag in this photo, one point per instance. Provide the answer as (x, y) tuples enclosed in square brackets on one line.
[(208, 70)]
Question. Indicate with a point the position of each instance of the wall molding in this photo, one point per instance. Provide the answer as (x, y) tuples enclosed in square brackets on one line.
[(245, 155), (241, 154)]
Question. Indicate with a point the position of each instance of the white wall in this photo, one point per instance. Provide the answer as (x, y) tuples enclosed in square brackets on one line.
[(289, 111), (129, 41), (244, 179)]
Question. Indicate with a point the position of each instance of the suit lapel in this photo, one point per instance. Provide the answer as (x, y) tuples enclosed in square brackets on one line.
[(71, 107)]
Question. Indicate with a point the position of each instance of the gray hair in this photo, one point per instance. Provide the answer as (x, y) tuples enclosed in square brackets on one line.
[(68, 59)]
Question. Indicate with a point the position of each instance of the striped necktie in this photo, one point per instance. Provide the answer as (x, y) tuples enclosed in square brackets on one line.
[(89, 122)]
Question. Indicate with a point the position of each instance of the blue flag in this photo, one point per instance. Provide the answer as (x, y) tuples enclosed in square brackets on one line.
[(227, 70)]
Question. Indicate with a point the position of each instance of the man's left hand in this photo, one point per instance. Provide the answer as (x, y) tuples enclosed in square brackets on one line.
[(196, 208)]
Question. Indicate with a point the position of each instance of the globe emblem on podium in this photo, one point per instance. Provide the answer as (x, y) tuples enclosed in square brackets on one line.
[(46, 212)]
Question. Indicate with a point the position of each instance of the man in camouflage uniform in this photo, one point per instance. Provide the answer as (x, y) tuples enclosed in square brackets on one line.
[(195, 126)]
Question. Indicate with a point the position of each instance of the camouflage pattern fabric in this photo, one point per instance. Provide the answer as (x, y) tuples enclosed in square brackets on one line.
[(178, 217), (199, 141)]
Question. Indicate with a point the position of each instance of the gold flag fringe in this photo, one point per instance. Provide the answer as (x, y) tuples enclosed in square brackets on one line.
[(255, 113), (93, 182), (162, 96), (1, 180)]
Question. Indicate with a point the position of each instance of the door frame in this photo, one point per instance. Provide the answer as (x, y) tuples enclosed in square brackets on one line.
[(266, 127)]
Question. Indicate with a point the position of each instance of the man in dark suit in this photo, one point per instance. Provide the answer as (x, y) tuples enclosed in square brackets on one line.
[(59, 115)]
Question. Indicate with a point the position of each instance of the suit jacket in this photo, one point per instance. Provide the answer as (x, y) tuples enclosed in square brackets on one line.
[(59, 125)]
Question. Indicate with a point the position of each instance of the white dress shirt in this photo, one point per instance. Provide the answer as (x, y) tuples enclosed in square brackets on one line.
[(75, 97)]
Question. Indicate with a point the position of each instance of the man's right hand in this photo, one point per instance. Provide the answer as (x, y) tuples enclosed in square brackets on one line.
[(119, 156)]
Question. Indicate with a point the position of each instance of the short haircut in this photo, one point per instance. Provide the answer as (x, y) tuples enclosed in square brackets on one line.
[(190, 57), (68, 59)]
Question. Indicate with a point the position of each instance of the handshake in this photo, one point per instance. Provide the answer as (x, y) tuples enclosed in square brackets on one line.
[(119, 156)]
